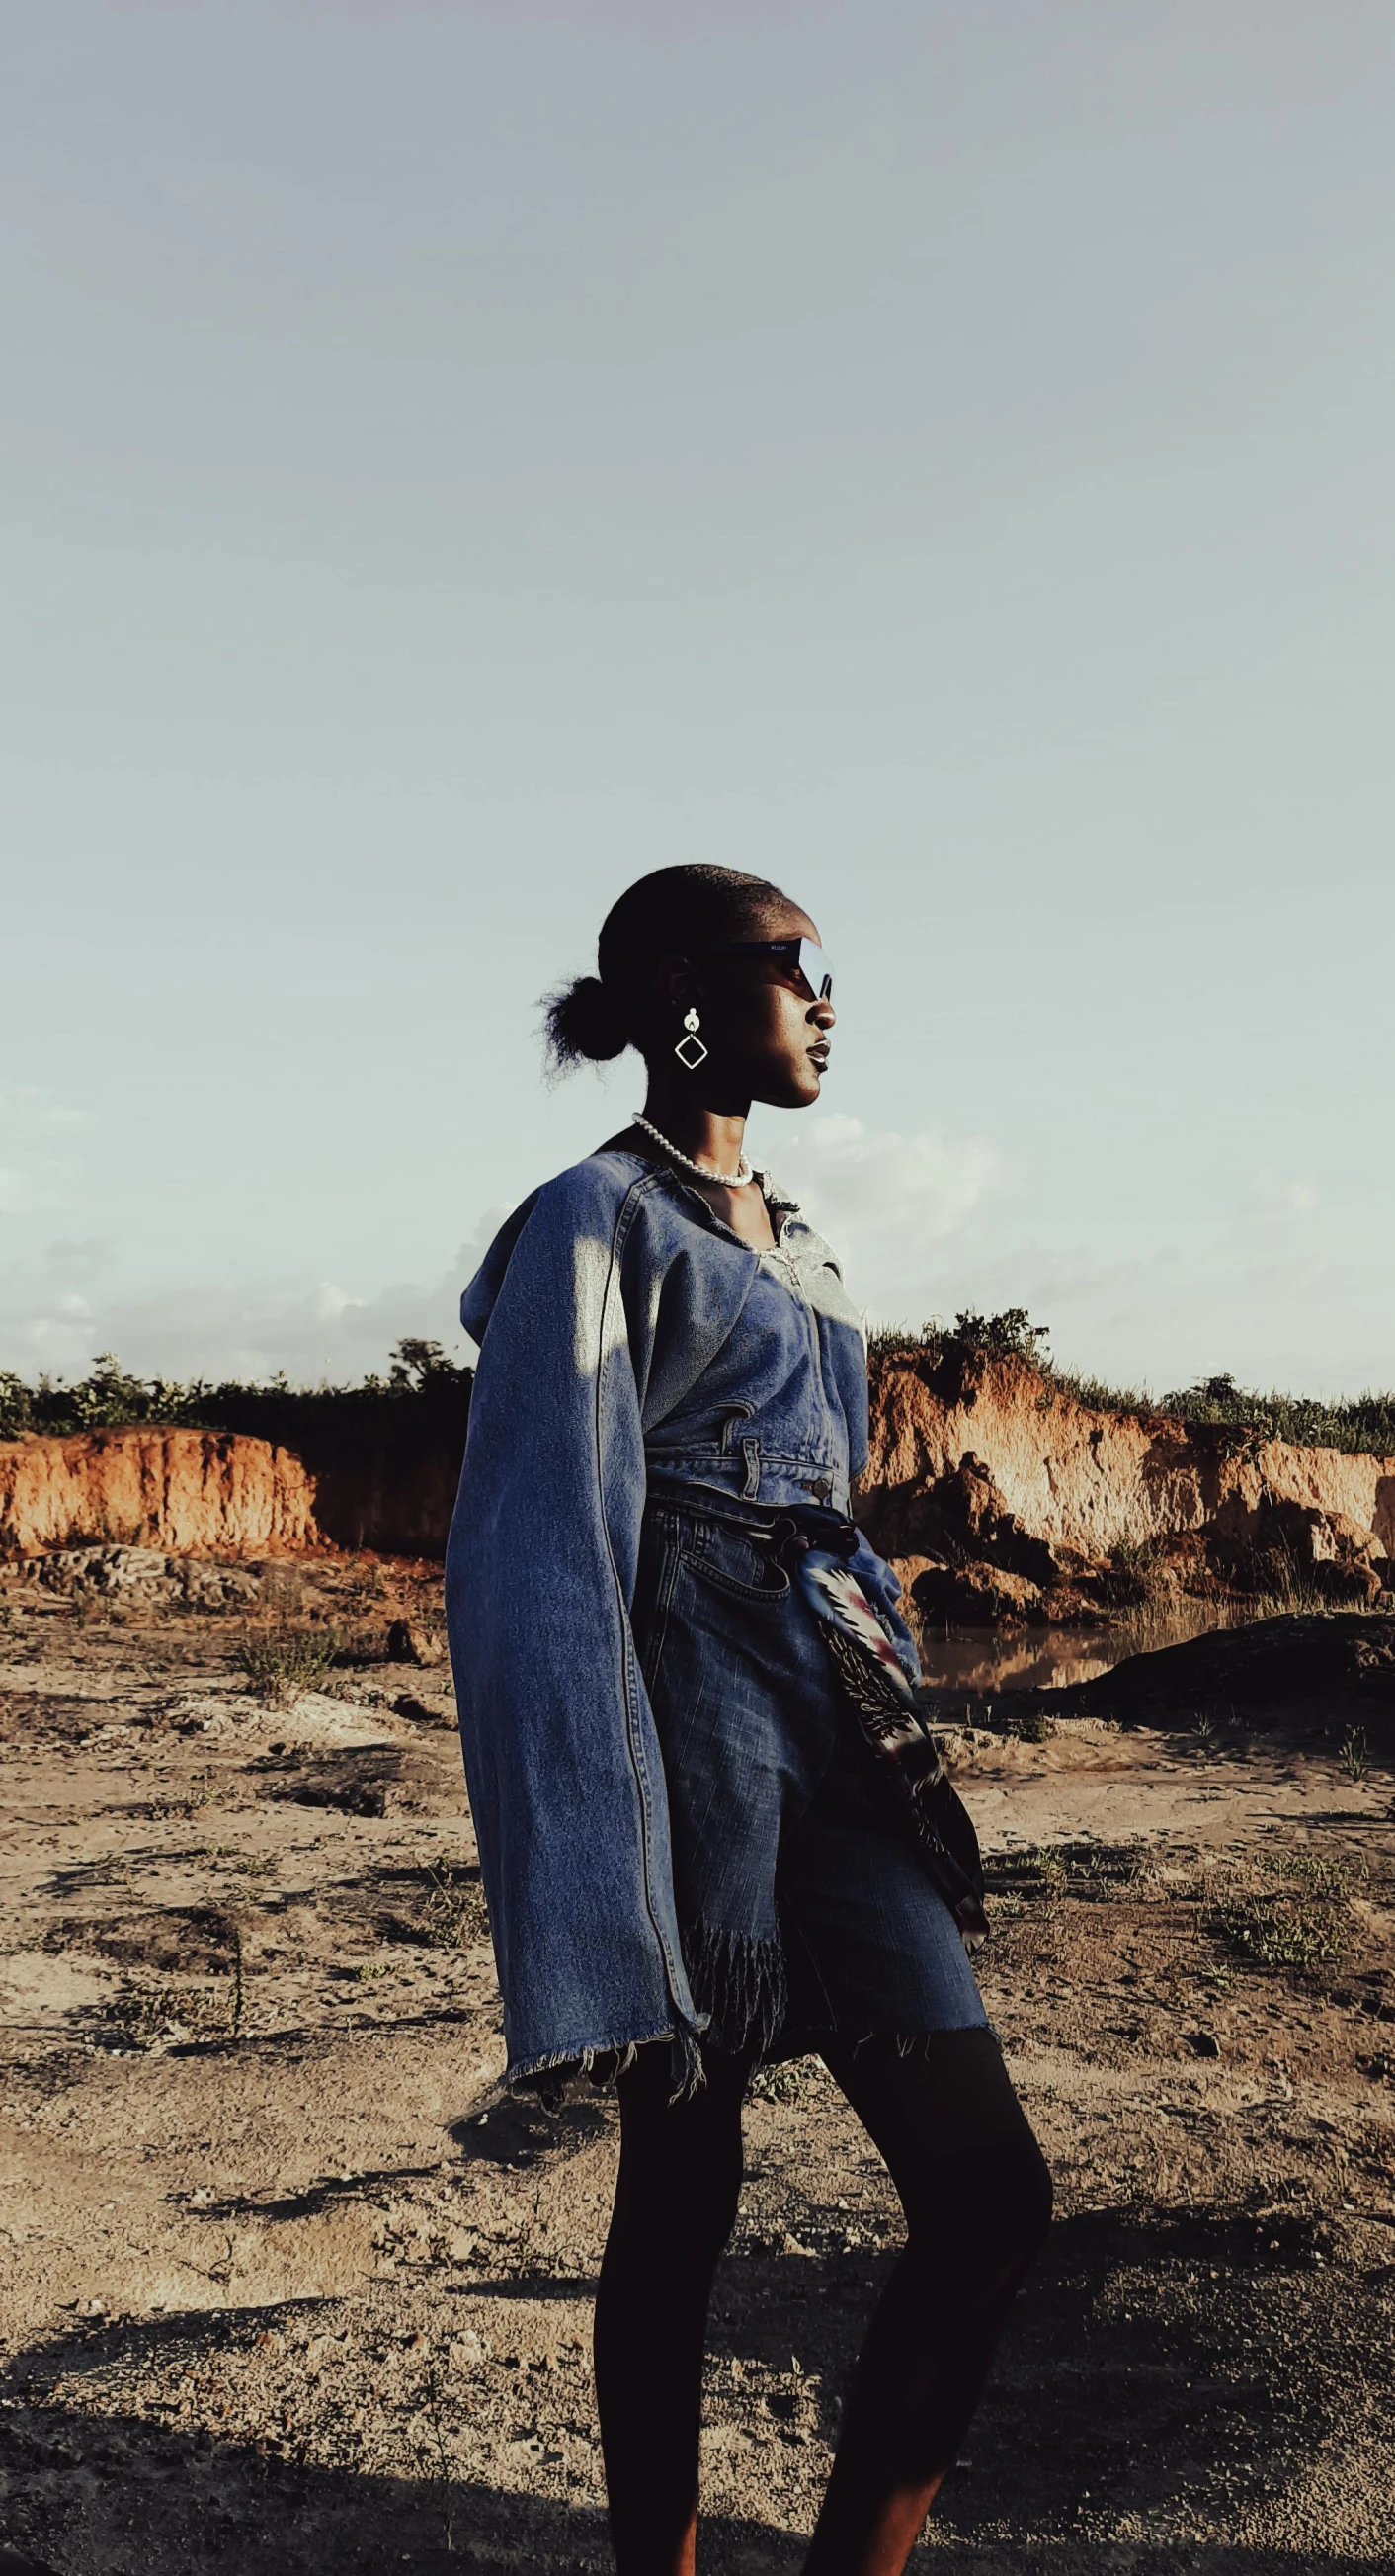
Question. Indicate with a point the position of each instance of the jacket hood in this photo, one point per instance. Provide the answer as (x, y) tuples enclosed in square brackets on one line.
[(478, 1300)]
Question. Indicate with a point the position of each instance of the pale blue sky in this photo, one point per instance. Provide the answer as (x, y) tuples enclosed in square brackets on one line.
[(455, 458)]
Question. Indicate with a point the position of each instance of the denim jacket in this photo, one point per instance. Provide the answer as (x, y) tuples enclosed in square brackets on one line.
[(630, 1344)]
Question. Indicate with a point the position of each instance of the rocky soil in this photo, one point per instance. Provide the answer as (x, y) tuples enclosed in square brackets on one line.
[(287, 2287)]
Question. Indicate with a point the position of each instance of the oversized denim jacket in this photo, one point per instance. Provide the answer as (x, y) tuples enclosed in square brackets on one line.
[(630, 1344)]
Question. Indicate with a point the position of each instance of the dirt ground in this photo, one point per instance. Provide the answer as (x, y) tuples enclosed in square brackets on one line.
[(286, 2286)]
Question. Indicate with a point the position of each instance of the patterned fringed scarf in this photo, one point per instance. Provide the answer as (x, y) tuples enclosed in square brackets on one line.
[(883, 1697)]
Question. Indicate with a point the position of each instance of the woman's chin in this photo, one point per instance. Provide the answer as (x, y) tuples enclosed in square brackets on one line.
[(795, 1091), (790, 1078)]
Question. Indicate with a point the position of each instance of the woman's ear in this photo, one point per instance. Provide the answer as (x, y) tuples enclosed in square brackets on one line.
[(674, 979)]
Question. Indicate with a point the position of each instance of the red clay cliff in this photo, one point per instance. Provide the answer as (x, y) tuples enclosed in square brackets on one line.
[(192, 1493)]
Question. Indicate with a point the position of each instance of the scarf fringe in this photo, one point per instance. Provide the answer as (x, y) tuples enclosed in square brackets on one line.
[(740, 1983)]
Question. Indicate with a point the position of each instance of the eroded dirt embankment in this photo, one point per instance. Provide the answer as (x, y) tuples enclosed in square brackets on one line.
[(999, 1494), (1088, 1480), (190, 1492), (226, 1493), (1000, 1497)]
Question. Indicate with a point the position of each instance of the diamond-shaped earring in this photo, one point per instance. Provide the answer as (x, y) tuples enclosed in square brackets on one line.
[(690, 1050)]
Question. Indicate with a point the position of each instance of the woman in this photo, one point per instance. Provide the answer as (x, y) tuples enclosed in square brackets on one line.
[(711, 1829)]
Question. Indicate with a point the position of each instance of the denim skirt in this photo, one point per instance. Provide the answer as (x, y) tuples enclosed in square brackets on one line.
[(803, 1903)]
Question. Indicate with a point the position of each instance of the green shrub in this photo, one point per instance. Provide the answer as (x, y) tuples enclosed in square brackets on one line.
[(1010, 1335), (421, 1381)]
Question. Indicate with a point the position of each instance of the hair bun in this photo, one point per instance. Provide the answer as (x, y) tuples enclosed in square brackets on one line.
[(585, 1023)]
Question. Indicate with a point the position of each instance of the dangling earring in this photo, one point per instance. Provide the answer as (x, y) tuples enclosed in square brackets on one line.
[(690, 1050)]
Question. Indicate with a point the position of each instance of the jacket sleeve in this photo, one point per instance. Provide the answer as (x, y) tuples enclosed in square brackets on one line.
[(562, 1762)]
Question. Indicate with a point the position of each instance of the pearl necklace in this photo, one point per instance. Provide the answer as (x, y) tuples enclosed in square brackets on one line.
[(736, 1180)]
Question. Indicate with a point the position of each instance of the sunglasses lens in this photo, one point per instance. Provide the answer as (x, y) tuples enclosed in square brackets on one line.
[(816, 967)]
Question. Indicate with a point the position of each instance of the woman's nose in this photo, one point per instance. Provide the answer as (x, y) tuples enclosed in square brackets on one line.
[(824, 1014)]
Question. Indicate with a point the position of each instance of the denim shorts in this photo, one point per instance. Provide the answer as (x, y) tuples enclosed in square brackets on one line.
[(803, 1903)]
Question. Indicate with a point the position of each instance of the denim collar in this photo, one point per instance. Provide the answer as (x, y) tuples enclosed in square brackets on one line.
[(778, 1200)]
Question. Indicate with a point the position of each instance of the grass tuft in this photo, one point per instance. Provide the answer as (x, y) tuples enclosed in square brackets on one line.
[(1295, 1913), (1355, 1753), (789, 2081), (1035, 1727), (456, 1915), (285, 1661)]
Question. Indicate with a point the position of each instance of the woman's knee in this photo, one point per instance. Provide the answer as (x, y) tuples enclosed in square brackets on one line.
[(681, 2173), (716, 2203), (682, 2213), (984, 2215), (705, 2169), (1029, 2193)]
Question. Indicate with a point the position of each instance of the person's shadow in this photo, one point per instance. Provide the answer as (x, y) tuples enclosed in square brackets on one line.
[(1136, 2382)]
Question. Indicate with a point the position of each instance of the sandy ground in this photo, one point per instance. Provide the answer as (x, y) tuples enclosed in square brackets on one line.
[(286, 2287)]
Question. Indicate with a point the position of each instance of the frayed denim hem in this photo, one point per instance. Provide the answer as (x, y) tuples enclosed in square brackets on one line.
[(805, 2039), (550, 2077)]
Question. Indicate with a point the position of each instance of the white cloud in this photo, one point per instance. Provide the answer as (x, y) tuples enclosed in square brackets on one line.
[(62, 1306), (32, 1176), (25, 1110), (867, 1178), (885, 1201), (471, 1254), (331, 1302), (15, 1191), (314, 1330), (1274, 1195)]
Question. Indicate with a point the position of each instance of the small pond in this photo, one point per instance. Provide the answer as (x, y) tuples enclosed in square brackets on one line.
[(991, 1659)]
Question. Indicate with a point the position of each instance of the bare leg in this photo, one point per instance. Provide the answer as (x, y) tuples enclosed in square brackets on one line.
[(675, 2204), (977, 2198)]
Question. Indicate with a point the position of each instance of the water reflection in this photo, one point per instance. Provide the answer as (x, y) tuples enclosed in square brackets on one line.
[(989, 1659)]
